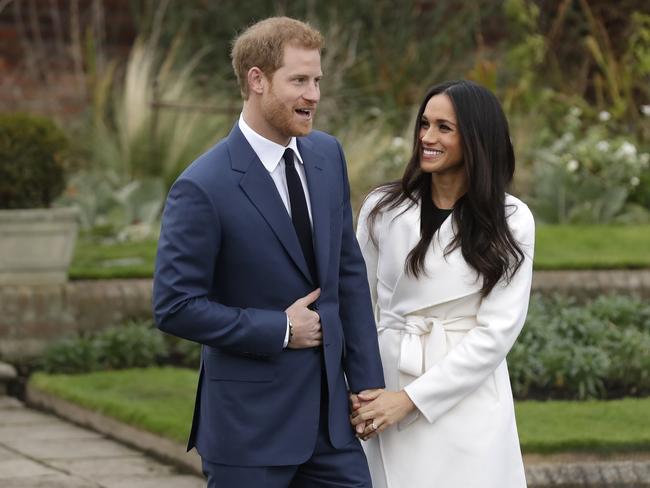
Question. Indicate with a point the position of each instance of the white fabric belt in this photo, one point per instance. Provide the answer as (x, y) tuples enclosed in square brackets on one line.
[(415, 358)]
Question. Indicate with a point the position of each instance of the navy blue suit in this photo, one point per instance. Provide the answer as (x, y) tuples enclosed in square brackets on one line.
[(229, 263)]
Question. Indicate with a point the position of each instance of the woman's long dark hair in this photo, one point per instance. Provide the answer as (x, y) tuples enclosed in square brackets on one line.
[(479, 216)]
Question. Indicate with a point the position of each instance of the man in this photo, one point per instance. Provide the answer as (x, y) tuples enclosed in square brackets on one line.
[(257, 261)]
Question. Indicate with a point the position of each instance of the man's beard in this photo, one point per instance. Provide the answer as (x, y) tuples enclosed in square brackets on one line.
[(283, 118)]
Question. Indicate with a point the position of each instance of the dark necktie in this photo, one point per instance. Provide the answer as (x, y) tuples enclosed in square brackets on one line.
[(299, 212)]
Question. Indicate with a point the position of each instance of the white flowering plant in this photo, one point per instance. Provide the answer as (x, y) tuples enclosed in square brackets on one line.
[(592, 173)]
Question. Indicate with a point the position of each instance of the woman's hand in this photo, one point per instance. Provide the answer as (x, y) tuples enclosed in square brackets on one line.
[(379, 410)]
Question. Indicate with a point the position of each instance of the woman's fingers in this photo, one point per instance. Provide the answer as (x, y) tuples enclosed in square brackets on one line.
[(369, 395)]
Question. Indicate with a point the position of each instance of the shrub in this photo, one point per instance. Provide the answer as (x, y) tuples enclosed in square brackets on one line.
[(136, 344), (131, 346), (32, 163), (78, 354), (184, 353), (590, 174), (597, 350)]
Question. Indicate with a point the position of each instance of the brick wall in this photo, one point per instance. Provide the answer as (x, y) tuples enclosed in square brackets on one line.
[(43, 51)]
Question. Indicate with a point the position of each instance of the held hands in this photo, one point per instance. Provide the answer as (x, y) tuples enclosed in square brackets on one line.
[(305, 323), (373, 411)]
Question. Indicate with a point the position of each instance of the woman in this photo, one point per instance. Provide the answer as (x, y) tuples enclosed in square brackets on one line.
[(449, 258)]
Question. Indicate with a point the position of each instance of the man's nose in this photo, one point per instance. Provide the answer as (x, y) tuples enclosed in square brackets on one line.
[(312, 93)]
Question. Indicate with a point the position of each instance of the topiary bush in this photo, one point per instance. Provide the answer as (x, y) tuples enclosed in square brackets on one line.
[(32, 161)]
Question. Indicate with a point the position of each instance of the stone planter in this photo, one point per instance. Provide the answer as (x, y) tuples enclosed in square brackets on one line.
[(36, 245)]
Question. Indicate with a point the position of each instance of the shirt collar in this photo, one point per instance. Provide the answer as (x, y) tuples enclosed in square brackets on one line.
[(270, 153)]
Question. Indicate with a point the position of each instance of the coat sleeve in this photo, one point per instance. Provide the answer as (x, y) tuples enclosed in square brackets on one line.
[(361, 362), (368, 246), (500, 318), (185, 271)]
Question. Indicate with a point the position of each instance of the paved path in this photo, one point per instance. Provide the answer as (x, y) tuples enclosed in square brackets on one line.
[(38, 450)]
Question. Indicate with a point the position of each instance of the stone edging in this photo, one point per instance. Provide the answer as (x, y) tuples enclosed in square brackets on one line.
[(157, 446), (565, 471), (593, 282)]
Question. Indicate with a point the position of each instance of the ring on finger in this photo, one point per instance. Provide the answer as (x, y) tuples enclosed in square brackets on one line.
[(374, 426)]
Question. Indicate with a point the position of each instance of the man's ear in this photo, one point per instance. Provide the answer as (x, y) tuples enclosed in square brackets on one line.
[(256, 80)]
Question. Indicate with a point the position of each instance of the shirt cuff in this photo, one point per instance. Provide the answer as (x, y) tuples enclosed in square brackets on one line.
[(286, 335)]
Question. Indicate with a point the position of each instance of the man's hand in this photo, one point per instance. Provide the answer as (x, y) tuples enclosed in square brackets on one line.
[(355, 404), (305, 323)]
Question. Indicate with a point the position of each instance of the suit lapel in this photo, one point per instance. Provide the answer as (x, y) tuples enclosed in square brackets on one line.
[(319, 198), (258, 186)]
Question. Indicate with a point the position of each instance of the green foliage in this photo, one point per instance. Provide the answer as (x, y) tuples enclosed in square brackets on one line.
[(374, 155), (597, 350), (110, 208), (135, 344), (32, 161), (587, 174), (148, 123), (135, 140), (131, 346), (183, 353), (78, 354)]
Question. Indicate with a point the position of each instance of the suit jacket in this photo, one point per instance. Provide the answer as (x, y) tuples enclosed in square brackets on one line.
[(445, 345), (229, 263)]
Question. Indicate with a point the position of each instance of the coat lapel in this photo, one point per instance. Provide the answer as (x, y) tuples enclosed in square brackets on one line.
[(258, 186), (447, 277), (319, 198)]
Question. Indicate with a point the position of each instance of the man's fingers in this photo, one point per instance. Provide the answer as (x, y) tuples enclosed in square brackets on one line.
[(361, 418), (309, 299)]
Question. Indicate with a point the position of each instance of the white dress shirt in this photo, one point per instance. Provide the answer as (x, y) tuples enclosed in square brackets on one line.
[(271, 155)]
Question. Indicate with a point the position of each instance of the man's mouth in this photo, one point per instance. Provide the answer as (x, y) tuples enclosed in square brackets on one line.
[(305, 113)]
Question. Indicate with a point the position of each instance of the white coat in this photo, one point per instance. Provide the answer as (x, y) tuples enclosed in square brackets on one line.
[(445, 346)]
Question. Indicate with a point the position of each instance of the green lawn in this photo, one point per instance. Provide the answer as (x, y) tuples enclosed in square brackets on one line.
[(119, 260), (592, 247), (593, 426), (558, 247), (161, 400)]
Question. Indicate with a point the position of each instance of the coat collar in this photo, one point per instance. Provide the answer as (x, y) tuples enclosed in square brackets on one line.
[(446, 278), (258, 185)]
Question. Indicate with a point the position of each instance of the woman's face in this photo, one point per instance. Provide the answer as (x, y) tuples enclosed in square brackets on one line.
[(440, 147)]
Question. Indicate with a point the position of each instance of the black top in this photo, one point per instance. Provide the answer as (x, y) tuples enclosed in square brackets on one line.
[(439, 216)]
